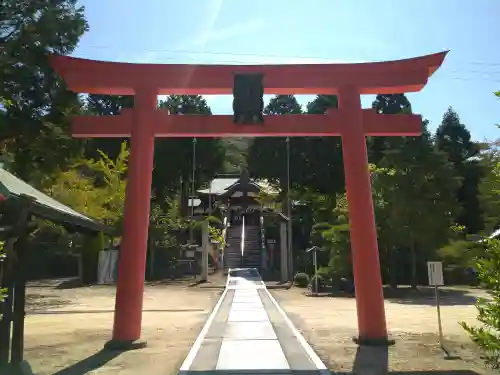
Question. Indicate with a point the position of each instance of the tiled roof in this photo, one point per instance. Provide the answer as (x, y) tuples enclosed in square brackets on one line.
[(221, 185), (11, 185)]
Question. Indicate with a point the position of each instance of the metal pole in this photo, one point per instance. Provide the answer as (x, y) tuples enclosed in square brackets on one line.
[(210, 198), (316, 270), (208, 223), (440, 328), (192, 193), (289, 210)]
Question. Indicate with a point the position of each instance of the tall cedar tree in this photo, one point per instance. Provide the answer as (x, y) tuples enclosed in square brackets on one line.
[(454, 139)]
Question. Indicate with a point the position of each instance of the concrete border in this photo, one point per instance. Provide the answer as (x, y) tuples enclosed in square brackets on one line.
[(186, 365), (310, 352)]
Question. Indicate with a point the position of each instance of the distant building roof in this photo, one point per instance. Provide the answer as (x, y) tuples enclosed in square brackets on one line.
[(219, 186), (494, 234)]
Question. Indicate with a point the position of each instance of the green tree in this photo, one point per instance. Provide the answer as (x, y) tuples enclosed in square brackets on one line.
[(34, 128), (389, 105), (412, 184), (174, 156), (332, 235), (489, 186), (322, 155), (106, 105), (415, 186), (94, 187), (488, 265), (267, 156), (487, 334), (454, 139), (236, 154)]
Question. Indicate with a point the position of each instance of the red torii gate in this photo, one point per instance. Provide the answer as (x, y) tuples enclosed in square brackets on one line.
[(145, 122)]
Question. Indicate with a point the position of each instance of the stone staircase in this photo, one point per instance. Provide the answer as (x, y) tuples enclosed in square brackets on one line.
[(252, 249), (232, 252), (252, 253)]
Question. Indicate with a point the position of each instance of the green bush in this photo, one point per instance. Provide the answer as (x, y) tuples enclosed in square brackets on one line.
[(487, 335), (301, 280)]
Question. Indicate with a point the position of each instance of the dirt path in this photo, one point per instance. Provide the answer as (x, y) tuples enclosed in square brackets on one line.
[(66, 330), (329, 324)]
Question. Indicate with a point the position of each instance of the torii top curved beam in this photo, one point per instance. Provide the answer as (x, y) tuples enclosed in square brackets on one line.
[(114, 78)]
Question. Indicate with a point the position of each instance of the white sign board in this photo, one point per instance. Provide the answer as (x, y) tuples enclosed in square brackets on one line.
[(435, 272)]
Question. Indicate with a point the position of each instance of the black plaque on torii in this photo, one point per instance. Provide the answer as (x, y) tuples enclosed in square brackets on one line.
[(248, 98)]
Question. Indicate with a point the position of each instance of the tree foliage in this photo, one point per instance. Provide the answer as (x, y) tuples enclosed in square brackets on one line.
[(34, 127), (487, 334), (267, 156), (453, 138), (489, 186), (321, 157), (332, 235), (389, 105), (106, 105), (95, 188), (414, 188), (174, 156)]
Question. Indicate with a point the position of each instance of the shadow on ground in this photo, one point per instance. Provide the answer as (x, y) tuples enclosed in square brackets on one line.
[(105, 311), (90, 364), (368, 360), (39, 301), (426, 296), (421, 296), (74, 283), (375, 360)]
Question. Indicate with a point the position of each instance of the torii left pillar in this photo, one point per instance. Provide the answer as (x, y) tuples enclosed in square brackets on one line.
[(132, 258)]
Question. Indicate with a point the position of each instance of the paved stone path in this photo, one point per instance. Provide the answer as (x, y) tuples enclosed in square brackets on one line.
[(249, 333)]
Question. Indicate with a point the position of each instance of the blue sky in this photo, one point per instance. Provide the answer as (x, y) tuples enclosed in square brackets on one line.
[(315, 31)]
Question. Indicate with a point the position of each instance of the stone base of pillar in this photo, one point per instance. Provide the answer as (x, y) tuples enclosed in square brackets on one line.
[(124, 345), (383, 341)]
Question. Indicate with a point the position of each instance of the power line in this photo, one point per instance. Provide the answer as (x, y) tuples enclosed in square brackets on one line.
[(456, 71), (486, 74), (257, 55)]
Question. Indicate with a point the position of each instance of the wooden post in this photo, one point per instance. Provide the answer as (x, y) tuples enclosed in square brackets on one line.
[(284, 253), (6, 321), (204, 251), (17, 350)]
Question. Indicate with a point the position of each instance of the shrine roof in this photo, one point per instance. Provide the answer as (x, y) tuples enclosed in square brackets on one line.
[(220, 186), (45, 207), (117, 78)]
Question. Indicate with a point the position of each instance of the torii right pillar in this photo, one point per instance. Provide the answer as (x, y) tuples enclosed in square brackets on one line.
[(363, 234)]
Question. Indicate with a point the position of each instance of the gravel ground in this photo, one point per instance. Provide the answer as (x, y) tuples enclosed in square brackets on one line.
[(329, 324), (67, 328)]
